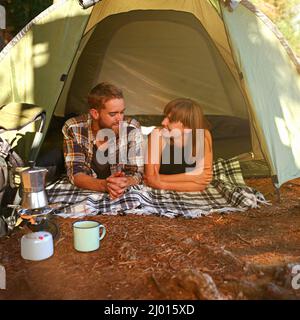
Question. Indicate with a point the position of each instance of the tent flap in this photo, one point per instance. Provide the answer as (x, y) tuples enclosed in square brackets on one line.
[(31, 68), (273, 87)]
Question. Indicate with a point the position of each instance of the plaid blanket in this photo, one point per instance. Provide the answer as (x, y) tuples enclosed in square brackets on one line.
[(227, 192)]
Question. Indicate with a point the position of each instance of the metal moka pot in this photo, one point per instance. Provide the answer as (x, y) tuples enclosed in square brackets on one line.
[(33, 181)]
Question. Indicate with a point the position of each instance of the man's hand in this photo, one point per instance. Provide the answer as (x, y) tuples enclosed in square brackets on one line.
[(117, 184)]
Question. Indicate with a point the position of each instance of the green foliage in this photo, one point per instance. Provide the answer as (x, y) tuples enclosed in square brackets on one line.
[(20, 12), (282, 12)]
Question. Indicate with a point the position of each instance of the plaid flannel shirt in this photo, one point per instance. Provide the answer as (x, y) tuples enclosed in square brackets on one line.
[(79, 141)]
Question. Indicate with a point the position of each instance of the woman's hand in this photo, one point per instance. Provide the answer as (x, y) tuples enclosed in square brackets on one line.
[(203, 179)]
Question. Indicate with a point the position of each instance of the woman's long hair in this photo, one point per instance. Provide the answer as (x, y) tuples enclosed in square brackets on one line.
[(190, 113)]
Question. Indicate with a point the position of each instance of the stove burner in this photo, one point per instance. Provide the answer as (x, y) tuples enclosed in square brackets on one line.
[(35, 212), (35, 216), (35, 219)]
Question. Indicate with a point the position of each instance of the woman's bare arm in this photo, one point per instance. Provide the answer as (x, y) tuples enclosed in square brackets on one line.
[(192, 181), (202, 173)]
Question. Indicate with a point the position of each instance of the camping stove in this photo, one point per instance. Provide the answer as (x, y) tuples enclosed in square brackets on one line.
[(33, 207), (36, 219)]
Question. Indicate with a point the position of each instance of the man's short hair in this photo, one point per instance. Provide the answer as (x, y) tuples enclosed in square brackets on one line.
[(103, 92)]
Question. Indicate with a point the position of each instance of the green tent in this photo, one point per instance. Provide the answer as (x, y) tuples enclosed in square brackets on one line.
[(234, 62)]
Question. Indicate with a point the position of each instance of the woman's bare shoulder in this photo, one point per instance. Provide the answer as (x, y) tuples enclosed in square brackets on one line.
[(207, 134)]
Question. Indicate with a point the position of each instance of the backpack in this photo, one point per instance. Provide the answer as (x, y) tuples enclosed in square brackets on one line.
[(9, 160)]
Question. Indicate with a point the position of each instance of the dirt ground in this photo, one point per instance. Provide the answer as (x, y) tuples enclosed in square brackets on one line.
[(230, 256)]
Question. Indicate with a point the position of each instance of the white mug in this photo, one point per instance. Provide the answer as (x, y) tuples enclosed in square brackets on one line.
[(87, 235)]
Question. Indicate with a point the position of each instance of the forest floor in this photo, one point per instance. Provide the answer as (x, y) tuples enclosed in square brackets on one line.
[(249, 255)]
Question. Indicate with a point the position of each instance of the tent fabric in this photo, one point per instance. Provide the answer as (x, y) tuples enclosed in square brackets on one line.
[(275, 31), (215, 3), (202, 10), (17, 115), (33, 63), (162, 68), (273, 83), (239, 54)]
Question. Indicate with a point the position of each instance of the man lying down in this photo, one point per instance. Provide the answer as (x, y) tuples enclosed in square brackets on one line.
[(97, 156)]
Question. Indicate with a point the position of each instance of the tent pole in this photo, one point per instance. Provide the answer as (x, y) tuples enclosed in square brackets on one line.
[(277, 192), (277, 189)]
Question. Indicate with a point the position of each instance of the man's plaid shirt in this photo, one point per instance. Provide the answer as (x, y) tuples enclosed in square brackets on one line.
[(79, 143)]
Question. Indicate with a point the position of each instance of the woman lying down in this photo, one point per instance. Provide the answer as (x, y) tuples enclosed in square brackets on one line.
[(179, 155)]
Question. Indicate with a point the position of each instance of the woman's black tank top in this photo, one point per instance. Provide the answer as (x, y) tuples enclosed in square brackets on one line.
[(172, 167)]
